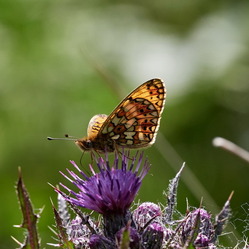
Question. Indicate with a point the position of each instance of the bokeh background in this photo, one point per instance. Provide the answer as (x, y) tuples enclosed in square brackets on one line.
[(61, 62)]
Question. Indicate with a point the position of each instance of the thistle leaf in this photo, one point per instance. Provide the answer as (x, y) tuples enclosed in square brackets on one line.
[(62, 232), (29, 217)]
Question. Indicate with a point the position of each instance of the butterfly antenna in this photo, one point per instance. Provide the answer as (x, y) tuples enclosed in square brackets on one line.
[(68, 136), (61, 138)]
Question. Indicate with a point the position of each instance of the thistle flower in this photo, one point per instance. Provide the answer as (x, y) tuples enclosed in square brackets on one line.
[(112, 190), (145, 213), (197, 222), (109, 192), (152, 236)]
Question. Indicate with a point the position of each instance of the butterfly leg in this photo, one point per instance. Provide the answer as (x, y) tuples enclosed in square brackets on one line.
[(81, 157), (121, 151)]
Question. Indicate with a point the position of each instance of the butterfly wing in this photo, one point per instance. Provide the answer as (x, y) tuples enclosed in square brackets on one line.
[(135, 121)]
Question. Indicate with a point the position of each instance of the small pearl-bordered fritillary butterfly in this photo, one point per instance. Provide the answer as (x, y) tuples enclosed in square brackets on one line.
[(133, 124)]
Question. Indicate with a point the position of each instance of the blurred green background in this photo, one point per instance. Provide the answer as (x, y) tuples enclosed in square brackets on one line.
[(61, 62)]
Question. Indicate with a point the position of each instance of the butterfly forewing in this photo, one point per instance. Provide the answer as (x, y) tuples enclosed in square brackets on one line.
[(135, 121)]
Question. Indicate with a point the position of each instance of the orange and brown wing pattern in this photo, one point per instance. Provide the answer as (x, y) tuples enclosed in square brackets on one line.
[(135, 121)]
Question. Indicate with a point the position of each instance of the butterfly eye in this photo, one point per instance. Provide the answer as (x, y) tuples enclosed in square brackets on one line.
[(88, 144)]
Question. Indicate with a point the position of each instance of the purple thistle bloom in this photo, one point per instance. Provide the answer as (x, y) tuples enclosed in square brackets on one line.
[(152, 237), (145, 213), (199, 222), (109, 192), (112, 190)]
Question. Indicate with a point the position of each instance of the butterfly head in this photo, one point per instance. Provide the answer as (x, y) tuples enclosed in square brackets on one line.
[(84, 144)]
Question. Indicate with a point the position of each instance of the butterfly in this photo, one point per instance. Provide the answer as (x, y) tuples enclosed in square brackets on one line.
[(133, 124)]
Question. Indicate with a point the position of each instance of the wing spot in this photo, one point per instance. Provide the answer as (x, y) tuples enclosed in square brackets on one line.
[(154, 120), (140, 136), (154, 113), (129, 142), (152, 128), (109, 129), (119, 129), (129, 135), (151, 107)]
